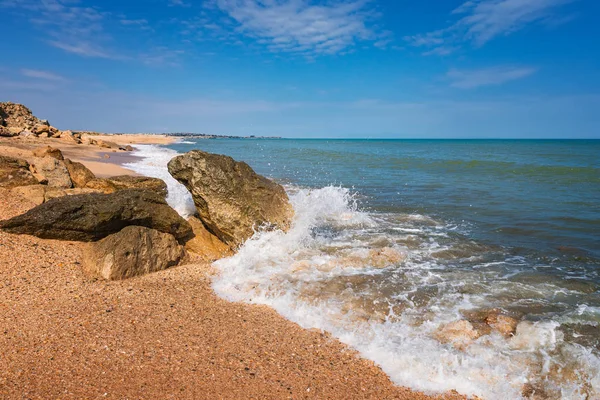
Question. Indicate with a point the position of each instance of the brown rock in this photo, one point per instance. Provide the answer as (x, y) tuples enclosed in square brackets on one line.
[(53, 170), (486, 320), (132, 252), (17, 115), (6, 132), (91, 217), (139, 182), (205, 244), (40, 129), (104, 144), (101, 184), (69, 136), (459, 333), (15, 172), (232, 200), (34, 193), (79, 173), (385, 257), (48, 152), (52, 131)]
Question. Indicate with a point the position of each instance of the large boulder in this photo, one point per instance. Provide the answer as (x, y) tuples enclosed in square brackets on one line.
[(133, 251), (204, 244), (79, 173), (52, 170), (15, 172), (91, 217), (139, 182), (232, 200)]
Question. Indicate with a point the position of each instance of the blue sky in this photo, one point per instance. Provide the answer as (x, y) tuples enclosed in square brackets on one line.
[(303, 68)]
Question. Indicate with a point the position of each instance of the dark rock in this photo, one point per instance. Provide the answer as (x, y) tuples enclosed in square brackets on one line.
[(232, 200), (139, 182), (91, 217)]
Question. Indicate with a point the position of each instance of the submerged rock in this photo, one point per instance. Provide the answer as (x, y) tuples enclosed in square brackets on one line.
[(15, 172), (488, 320), (232, 200), (131, 252), (91, 217), (459, 333)]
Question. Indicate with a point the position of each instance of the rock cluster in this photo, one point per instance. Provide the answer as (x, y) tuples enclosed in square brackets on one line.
[(18, 120), (128, 225)]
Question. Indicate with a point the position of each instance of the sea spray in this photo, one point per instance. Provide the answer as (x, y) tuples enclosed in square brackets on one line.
[(153, 163), (305, 275)]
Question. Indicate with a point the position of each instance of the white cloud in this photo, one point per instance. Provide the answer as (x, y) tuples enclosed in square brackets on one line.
[(44, 75), (301, 27), (471, 79), (480, 21)]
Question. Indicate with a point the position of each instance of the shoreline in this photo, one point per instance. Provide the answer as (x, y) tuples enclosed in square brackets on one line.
[(168, 332)]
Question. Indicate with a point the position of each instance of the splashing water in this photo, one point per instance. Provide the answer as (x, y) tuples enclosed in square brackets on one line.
[(154, 164), (386, 283)]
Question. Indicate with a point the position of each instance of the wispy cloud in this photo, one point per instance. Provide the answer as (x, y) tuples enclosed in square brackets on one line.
[(44, 75), (479, 21), (136, 23), (69, 25), (301, 27), (471, 79)]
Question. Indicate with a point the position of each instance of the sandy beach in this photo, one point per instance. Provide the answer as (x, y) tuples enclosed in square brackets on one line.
[(102, 162), (163, 335)]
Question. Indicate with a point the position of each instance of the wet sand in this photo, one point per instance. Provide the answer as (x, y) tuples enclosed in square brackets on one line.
[(161, 336)]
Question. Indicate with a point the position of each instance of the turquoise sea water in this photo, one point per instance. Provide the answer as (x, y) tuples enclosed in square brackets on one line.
[(395, 239), (530, 194)]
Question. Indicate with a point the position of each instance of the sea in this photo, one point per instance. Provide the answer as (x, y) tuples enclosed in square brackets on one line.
[(393, 240)]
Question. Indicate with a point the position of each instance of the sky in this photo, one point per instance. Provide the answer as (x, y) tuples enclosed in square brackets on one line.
[(307, 68)]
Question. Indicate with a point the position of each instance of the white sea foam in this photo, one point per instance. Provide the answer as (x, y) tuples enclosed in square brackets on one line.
[(153, 163), (306, 276)]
